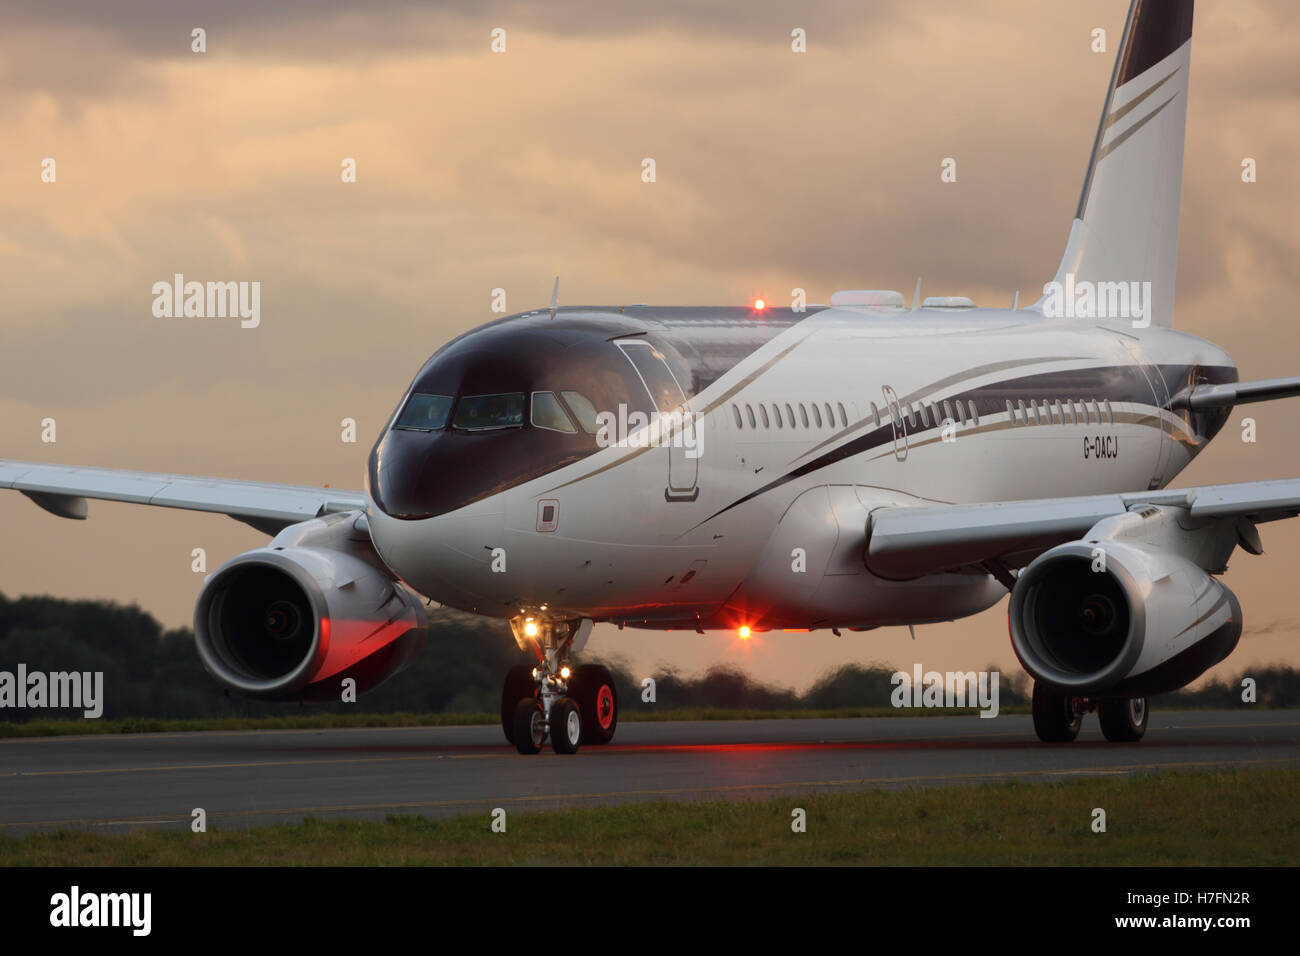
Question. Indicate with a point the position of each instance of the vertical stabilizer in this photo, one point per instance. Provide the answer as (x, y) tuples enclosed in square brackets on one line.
[(1126, 227)]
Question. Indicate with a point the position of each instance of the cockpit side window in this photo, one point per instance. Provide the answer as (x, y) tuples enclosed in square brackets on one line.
[(658, 378), (548, 413), (583, 411), (476, 413), (424, 413)]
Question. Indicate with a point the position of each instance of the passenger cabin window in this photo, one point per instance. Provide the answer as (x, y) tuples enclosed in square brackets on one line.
[(584, 412), (844, 419), (974, 412), (477, 413), (749, 413), (547, 412), (817, 414), (424, 413), (947, 411), (776, 414), (875, 414), (736, 412), (830, 415), (762, 410), (803, 415)]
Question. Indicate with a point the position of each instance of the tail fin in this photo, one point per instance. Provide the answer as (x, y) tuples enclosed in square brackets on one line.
[(1126, 226)]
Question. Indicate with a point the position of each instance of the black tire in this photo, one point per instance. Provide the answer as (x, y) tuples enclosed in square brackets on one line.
[(519, 684), (529, 736), (1123, 719), (592, 688), (1056, 721), (566, 726)]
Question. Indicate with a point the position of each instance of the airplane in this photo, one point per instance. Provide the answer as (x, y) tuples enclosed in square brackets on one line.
[(853, 465)]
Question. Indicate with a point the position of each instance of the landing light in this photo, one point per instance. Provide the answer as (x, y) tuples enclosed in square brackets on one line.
[(565, 672), (530, 628), (760, 305), (744, 633)]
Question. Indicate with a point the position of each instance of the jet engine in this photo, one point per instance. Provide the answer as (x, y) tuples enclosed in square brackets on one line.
[(1126, 611), (292, 620)]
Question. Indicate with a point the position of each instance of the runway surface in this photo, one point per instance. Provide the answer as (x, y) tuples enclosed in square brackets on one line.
[(249, 778)]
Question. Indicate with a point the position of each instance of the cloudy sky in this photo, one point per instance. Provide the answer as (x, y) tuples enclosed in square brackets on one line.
[(478, 170)]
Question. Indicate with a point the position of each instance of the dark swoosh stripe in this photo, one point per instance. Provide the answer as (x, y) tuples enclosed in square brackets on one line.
[(1115, 383), (954, 379)]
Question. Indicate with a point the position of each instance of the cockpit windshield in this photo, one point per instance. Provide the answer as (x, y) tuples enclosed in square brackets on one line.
[(515, 400), (475, 413), (424, 412)]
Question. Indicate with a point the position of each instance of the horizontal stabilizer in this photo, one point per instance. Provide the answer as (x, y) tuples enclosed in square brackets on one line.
[(1242, 393)]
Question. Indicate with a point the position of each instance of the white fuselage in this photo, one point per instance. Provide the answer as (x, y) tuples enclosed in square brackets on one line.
[(766, 527)]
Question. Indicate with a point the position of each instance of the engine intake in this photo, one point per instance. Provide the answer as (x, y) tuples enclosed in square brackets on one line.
[(1120, 619), (290, 623)]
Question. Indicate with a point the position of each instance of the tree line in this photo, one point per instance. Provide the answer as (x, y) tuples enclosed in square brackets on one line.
[(152, 672)]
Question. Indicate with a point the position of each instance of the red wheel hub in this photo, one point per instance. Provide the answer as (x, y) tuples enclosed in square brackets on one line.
[(605, 706)]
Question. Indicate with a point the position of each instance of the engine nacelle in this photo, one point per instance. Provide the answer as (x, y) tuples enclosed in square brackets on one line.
[(290, 621), (1123, 612)]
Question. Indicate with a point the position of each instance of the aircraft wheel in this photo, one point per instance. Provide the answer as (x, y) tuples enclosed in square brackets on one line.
[(519, 684), (1056, 720), (592, 688), (1123, 719), (530, 733), (566, 726)]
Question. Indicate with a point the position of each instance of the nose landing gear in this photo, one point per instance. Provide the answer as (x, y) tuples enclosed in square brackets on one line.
[(571, 705)]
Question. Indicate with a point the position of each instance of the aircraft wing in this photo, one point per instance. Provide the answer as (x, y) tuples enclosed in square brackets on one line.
[(63, 490), (907, 542)]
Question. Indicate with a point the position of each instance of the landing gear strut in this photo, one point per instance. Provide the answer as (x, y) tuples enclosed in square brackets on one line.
[(571, 705), (1057, 717)]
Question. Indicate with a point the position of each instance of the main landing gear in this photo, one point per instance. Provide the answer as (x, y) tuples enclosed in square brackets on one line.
[(571, 705), (1057, 717)]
